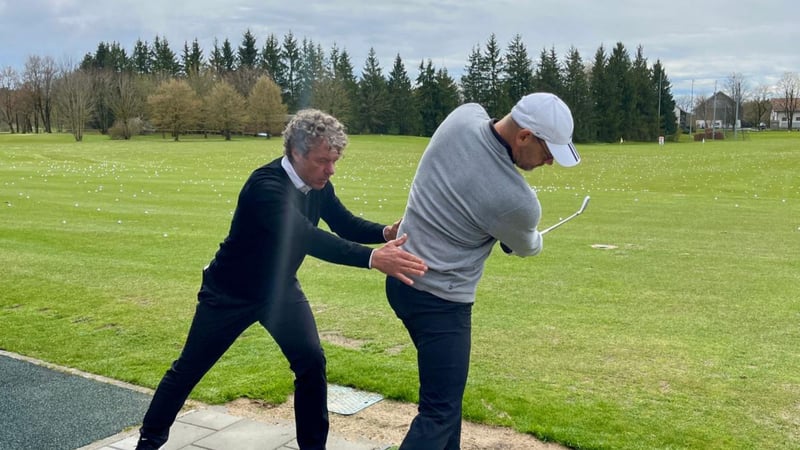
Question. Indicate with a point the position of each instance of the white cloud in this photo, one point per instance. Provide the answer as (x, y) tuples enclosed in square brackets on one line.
[(695, 41)]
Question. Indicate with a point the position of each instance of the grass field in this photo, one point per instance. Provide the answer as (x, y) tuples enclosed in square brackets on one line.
[(681, 331)]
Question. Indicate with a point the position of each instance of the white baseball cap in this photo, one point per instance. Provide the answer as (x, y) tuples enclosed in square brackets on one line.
[(549, 118)]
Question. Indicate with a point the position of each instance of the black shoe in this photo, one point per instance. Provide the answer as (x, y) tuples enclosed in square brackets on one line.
[(147, 444)]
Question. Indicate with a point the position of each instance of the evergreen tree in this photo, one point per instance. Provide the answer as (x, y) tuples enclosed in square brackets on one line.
[(577, 96), (373, 98), (330, 94), (215, 60), (165, 62), (272, 62), (548, 77), (343, 72), (403, 116), (644, 126), (473, 82), (140, 58), (600, 100), (668, 121), (118, 58), (447, 95), (108, 56), (248, 52), (293, 64), (312, 69), (496, 101), (519, 72), (619, 113), (87, 63), (192, 58), (426, 94), (228, 57), (101, 58), (331, 61), (343, 68)]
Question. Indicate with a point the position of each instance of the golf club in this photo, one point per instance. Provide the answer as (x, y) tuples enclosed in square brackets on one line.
[(582, 208)]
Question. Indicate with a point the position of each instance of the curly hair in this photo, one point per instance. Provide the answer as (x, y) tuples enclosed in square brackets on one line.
[(308, 128)]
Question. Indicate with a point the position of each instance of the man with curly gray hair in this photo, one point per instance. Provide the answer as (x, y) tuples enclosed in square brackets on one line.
[(308, 126), (253, 276)]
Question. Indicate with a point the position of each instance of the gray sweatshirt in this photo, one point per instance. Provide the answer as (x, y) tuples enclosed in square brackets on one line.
[(466, 195)]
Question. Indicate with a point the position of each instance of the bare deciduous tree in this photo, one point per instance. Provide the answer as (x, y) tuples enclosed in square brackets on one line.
[(75, 98), (24, 108), (40, 73), (126, 101), (9, 83), (788, 86), (758, 108), (737, 90)]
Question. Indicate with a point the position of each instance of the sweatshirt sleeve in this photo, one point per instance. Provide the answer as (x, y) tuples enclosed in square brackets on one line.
[(279, 217), (342, 222), (517, 229)]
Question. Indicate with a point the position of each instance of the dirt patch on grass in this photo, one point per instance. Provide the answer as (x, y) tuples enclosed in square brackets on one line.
[(337, 338), (387, 422)]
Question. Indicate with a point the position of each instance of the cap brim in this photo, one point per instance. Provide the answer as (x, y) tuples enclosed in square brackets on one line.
[(565, 154)]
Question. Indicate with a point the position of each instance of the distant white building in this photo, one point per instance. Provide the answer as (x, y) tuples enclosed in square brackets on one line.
[(779, 117)]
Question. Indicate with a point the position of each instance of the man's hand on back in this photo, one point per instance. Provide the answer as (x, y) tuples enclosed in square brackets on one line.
[(396, 262)]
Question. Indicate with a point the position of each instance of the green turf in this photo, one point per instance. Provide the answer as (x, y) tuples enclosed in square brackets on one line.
[(683, 334)]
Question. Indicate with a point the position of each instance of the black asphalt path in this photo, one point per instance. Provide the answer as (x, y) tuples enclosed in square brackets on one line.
[(47, 409)]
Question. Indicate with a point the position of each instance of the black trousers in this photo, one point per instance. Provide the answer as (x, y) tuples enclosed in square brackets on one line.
[(441, 332), (217, 322)]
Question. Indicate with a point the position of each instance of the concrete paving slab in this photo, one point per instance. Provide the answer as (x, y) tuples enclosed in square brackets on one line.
[(249, 435), (212, 418)]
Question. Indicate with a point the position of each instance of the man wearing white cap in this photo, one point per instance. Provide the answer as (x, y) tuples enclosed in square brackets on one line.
[(467, 195)]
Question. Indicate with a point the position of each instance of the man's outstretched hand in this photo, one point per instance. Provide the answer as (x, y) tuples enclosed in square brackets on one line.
[(396, 262)]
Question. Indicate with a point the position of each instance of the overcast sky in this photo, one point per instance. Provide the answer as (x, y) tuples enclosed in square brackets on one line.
[(698, 42)]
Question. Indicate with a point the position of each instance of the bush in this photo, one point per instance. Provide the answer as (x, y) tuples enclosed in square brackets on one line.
[(718, 135), (126, 129)]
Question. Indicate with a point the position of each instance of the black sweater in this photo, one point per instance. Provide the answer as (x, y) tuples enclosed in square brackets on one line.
[(275, 226)]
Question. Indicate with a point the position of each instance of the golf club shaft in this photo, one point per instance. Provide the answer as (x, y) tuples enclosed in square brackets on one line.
[(582, 208), (553, 227)]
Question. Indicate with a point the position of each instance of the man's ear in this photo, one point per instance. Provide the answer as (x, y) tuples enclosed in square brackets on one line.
[(524, 135)]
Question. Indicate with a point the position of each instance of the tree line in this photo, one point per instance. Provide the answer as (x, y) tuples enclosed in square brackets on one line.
[(251, 89)]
